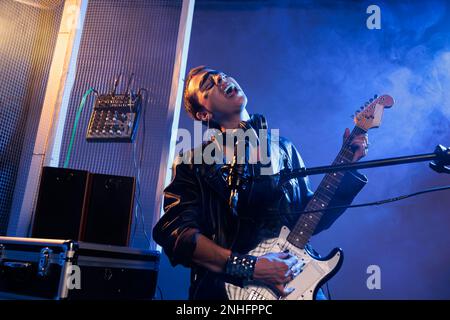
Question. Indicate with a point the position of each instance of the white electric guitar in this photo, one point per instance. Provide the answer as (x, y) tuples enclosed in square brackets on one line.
[(316, 270)]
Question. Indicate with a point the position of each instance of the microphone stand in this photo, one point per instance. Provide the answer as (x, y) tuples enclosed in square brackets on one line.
[(440, 162)]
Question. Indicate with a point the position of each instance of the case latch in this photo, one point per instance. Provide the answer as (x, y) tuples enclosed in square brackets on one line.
[(44, 261)]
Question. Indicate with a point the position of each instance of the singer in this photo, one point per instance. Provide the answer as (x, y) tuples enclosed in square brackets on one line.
[(198, 228)]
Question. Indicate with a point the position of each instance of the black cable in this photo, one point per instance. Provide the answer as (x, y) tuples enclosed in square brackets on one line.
[(328, 291), (138, 166), (137, 173), (160, 293), (367, 204), (130, 80), (141, 156), (380, 202), (116, 83)]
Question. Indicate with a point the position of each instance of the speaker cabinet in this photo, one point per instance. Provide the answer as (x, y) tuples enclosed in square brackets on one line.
[(60, 204), (109, 210), (78, 205)]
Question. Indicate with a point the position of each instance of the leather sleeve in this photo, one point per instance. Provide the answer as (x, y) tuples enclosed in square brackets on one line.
[(176, 231)]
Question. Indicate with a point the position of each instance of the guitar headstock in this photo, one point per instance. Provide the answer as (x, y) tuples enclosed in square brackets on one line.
[(370, 114)]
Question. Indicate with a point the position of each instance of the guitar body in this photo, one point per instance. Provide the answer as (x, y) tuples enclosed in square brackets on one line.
[(315, 272)]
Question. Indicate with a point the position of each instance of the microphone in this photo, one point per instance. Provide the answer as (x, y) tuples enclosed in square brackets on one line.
[(235, 181), (237, 174)]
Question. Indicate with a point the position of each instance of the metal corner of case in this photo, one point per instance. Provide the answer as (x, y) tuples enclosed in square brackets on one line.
[(71, 245), (157, 256)]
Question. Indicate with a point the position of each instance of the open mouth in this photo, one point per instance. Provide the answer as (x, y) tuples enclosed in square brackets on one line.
[(230, 90)]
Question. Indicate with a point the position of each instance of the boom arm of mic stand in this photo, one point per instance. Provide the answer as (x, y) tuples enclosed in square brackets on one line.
[(440, 163)]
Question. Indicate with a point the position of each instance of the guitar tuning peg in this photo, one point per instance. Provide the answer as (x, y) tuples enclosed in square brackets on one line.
[(361, 107), (375, 96), (370, 100)]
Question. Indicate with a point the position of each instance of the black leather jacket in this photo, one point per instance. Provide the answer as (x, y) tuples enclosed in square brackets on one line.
[(197, 198)]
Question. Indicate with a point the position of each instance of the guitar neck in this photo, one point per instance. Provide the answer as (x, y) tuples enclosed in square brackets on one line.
[(308, 222)]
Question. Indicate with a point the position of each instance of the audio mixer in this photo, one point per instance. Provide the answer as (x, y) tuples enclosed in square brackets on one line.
[(114, 118)]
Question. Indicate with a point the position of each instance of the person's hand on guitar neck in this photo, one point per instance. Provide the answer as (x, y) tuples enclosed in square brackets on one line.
[(359, 144)]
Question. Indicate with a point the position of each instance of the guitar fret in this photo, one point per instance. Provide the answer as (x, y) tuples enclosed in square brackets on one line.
[(346, 159), (303, 221), (299, 233), (317, 210), (342, 159), (328, 184), (307, 227), (297, 240), (334, 178), (323, 197), (327, 192), (316, 204), (312, 217), (346, 151)]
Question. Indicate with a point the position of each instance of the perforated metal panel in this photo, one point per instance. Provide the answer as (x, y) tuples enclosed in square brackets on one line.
[(27, 40), (126, 37)]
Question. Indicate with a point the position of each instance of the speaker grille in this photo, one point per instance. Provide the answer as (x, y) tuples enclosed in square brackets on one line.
[(60, 203)]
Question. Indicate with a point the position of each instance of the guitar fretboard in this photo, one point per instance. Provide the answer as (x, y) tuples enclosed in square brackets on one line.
[(307, 223)]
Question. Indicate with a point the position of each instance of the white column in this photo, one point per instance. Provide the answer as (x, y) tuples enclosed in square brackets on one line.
[(176, 95)]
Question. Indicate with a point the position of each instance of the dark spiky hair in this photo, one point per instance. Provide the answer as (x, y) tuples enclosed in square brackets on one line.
[(191, 103)]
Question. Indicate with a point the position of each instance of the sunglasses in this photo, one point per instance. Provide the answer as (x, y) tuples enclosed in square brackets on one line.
[(210, 79)]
